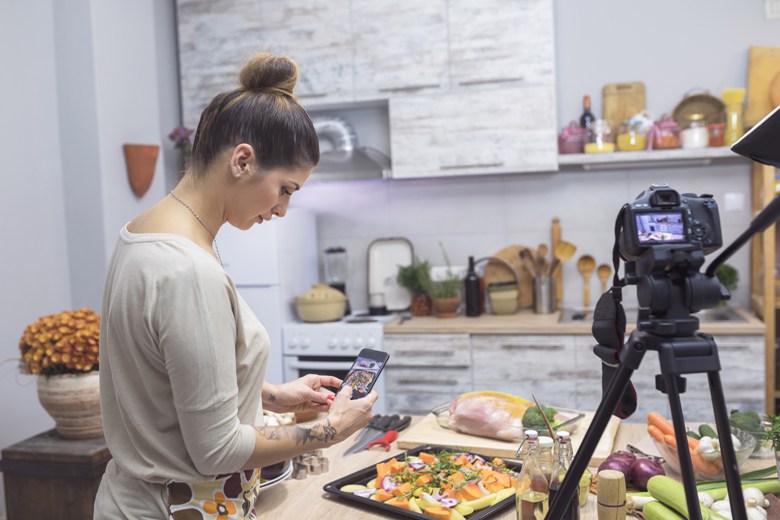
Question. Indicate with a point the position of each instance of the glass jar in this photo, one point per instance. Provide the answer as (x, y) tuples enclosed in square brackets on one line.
[(631, 136), (600, 137), (694, 133), (571, 139), (733, 98), (664, 134), (716, 134)]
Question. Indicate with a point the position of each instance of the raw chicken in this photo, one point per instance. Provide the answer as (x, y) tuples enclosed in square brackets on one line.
[(489, 414)]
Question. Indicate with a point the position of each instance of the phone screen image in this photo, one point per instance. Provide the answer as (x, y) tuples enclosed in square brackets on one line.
[(365, 371)]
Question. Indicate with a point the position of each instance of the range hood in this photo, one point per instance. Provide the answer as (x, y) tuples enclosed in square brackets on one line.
[(341, 158)]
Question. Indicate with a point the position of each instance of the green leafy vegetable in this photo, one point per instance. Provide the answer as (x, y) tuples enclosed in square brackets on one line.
[(748, 421), (532, 418)]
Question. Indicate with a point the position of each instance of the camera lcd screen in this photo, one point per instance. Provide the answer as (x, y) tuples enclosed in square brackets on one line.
[(660, 228)]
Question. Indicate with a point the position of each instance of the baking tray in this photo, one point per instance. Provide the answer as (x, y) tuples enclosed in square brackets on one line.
[(364, 475)]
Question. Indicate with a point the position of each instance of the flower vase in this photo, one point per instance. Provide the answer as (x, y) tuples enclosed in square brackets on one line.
[(73, 401), (141, 160)]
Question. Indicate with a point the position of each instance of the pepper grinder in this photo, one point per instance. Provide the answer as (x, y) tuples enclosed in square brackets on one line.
[(336, 268)]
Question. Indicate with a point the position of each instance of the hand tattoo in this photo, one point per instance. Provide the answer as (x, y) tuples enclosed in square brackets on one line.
[(322, 432)]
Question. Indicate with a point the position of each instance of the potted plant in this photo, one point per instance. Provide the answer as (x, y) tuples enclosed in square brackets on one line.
[(445, 293), (409, 277), (62, 350), (773, 436), (729, 277)]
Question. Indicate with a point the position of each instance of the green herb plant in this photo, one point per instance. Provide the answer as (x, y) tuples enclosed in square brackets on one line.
[(447, 288), (409, 276), (773, 435), (728, 276)]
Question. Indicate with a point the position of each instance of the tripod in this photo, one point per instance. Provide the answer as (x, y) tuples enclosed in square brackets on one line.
[(669, 288)]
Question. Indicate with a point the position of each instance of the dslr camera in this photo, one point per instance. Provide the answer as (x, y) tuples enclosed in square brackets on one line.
[(660, 216)]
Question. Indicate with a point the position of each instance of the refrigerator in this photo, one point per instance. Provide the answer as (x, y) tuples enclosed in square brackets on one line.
[(270, 264)]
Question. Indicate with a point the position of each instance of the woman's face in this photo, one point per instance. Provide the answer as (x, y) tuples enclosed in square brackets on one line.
[(262, 195)]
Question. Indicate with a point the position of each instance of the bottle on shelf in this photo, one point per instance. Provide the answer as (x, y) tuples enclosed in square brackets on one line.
[(733, 99), (587, 116), (560, 469), (473, 291), (532, 488)]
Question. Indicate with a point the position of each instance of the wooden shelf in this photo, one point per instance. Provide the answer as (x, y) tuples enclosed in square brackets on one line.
[(647, 159)]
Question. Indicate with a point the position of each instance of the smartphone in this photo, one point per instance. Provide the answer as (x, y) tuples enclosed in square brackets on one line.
[(365, 371)]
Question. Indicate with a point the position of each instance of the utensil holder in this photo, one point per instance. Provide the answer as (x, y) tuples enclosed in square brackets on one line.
[(544, 295)]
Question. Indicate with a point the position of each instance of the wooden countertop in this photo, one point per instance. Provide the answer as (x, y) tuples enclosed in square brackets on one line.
[(304, 499), (527, 322)]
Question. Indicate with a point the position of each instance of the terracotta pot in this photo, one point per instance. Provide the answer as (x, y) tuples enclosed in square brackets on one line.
[(446, 307), (141, 160), (421, 305), (73, 401)]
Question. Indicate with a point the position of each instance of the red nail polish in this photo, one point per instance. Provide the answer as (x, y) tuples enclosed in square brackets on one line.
[(331, 397)]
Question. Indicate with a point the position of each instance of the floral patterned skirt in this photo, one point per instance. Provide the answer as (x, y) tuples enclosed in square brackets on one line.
[(228, 497)]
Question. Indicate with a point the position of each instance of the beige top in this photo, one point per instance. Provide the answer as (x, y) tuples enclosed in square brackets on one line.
[(182, 361)]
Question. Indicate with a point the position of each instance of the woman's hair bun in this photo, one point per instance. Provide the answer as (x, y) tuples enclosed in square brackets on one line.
[(268, 72)]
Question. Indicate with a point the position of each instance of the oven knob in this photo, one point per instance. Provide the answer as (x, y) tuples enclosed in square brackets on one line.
[(358, 343), (371, 343), (333, 343), (292, 345), (345, 344)]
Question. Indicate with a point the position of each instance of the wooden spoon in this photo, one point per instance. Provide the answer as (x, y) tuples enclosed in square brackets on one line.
[(541, 259), (585, 265), (604, 271), (564, 251), (527, 261)]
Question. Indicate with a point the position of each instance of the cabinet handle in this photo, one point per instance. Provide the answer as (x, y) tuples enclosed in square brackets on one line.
[(733, 347), (474, 165), (511, 346), (418, 353), (313, 95), (442, 382), (409, 87), (488, 81)]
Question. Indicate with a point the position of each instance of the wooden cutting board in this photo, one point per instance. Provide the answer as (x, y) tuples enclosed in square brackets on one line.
[(763, 84), (428, 431), (620, 101)]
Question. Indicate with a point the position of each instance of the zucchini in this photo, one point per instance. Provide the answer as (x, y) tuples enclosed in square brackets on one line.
[(672, 494), (705, 430), (692, 434), (658, 511)]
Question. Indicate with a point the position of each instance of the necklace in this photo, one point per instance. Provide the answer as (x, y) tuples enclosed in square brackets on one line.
[(213, 236)]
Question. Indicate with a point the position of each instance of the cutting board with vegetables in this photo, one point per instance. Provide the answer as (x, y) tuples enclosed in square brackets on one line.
[(620, 101), (428, 431), (763, 84)]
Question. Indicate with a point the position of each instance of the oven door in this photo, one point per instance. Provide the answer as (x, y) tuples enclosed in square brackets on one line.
[(336, 366)]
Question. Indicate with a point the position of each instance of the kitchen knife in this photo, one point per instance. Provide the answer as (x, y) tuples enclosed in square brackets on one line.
[(376, 426), (396, 424)]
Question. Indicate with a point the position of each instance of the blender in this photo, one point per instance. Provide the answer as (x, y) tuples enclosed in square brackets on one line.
[(336, 268)]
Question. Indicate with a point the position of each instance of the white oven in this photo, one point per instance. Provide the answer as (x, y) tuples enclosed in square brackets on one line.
[(330, 348)]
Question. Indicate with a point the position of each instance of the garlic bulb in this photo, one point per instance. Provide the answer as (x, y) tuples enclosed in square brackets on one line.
[(709, 448), (706, 499), (755, 494)]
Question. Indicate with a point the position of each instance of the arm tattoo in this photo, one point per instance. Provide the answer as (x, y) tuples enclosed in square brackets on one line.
[(322, 432), (272, 398)]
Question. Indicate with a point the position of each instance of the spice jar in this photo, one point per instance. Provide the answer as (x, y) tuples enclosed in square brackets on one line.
[(694, 133), (571, 139), (664, 134), (600, 137), (716, 134), (631, 136)]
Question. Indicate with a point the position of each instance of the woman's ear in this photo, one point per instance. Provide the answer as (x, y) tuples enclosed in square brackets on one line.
[(240, 160)]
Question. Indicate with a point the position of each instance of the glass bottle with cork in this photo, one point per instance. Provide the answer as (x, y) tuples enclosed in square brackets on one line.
[(529, 443), (546, 460)]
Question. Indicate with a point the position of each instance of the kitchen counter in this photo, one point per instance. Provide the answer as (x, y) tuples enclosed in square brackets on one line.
[(527, 322), (306, 499)]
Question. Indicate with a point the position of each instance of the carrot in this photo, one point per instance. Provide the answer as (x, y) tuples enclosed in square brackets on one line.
[(427, 457), (382, 495), (693, 444), (438, 512), (655, 432), (670, 440), (704, 467), (660, 422)]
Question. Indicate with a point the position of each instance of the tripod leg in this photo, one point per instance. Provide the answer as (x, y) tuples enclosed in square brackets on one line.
[(684, 454), (730, 466), (585, 451)]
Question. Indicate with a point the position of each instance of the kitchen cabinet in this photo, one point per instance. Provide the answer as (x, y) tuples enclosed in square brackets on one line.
[(764, 281), (498, 43), (317, 35), (465, 133), (400, 47), (426, 370)]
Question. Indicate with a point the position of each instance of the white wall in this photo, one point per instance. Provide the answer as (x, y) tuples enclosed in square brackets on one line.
[(34, 272), (83, 78)]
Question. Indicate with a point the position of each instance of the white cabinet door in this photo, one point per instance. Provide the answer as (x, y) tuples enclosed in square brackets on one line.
[(497, 43), (506, 131), (317, 35), (526, 365), (400, 47)]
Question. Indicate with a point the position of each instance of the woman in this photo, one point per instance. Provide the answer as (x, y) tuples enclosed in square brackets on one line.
[(182, 356)]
